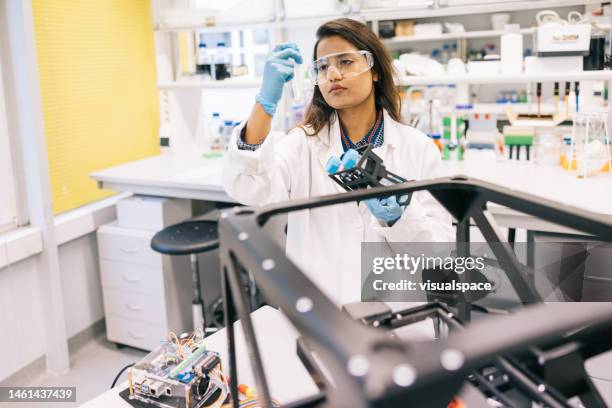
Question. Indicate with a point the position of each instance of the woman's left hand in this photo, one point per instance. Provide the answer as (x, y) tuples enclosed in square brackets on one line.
[(385, 209)]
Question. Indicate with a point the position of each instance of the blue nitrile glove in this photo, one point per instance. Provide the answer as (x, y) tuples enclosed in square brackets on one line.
[(385, 209), (278, 70), (349, 160), (333, 165)]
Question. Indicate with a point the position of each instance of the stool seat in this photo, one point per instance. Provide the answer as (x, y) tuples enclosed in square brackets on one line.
[(190, 237)]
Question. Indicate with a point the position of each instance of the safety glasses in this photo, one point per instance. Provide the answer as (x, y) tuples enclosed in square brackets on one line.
[(347, 64)]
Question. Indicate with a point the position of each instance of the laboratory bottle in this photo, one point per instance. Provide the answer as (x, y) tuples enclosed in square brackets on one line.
[(435, 54), (512, 50), (567, 156), (437, 141), (461, 149), (446, 151), (215, 132), (226, 133), (212, 57), (203, 61), (454, 53), (430, 121), (222, 62), (445, 56)]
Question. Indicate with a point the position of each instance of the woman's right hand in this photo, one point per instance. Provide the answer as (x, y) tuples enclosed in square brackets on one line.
[(278, 70)]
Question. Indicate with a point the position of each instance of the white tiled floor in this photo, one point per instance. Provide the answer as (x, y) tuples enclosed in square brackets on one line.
[(93, 368)]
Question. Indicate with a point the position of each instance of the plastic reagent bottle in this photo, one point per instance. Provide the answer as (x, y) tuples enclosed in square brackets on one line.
[(203, 60), (512, 50), (222, 62), (215, 132)]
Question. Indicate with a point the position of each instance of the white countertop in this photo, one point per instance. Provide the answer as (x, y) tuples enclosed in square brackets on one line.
[(195, 177), (551, 182), (186, 176)]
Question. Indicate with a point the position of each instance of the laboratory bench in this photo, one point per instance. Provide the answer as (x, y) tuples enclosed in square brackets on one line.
[(193, 177), (186, 176)]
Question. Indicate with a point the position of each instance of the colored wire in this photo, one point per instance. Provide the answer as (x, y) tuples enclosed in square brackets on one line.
[(254, 403)]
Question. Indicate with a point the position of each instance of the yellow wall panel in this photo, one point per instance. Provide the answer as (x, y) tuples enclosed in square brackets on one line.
[(96, 61)]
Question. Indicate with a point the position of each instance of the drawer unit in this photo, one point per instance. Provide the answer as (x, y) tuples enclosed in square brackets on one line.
[(127, 245), (151, 213), (134, 333), (151, 309), (146, 294), (134, 278)]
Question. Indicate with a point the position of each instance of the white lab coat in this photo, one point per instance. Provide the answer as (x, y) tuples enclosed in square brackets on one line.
[(326, 242)]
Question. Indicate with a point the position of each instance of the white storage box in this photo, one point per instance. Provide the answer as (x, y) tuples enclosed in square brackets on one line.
[(428, 30), (547, 65), (152, 213), (569, 39)]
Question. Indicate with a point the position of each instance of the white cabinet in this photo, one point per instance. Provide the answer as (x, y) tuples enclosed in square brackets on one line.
[(134, 333), (132, 278), (146, 294), (136, 306), (128, 245), (151, 213)]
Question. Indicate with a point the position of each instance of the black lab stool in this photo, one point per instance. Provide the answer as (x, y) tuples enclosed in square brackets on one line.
[(190, 238)]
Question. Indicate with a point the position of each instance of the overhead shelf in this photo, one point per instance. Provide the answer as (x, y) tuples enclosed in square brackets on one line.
[(225, 84), (505, 79), (163, 28), (395, 13), (390, 42), (400, 40), (405, 13), (270, 24)]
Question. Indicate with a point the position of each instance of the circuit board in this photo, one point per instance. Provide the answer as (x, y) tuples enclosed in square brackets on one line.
[(180, 373)]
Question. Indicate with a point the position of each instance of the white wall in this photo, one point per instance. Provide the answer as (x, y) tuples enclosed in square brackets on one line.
[(8, 201), (21, 339), (21, 333), (79, 268)]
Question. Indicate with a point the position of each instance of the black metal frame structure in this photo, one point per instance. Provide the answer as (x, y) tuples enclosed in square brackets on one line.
[(340, 341), (547, 375)]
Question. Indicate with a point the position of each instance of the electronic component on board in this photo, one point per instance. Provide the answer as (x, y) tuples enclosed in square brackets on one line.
[(181, 373)]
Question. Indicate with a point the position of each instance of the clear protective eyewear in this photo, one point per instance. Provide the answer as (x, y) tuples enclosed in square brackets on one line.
[(348, 64)]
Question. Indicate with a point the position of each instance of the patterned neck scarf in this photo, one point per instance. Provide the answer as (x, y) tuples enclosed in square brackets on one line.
[(374, 136)]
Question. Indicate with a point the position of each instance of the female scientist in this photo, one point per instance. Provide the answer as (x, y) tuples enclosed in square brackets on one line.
[(355, 102)]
